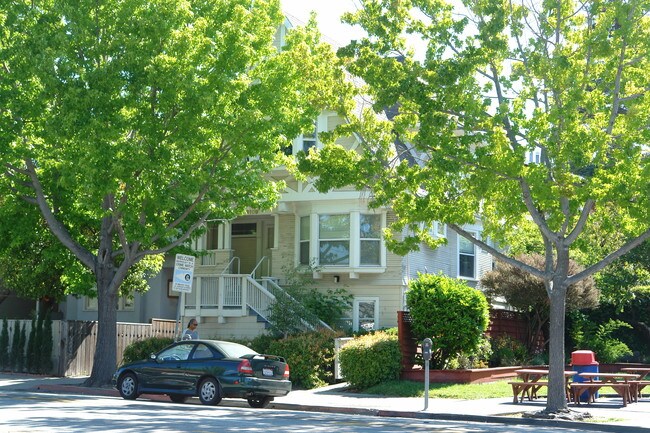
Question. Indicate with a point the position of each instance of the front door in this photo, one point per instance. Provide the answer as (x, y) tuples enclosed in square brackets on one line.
[(251, 242)]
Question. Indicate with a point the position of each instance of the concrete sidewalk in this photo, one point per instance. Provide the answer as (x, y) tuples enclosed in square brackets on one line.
[(608, 415)]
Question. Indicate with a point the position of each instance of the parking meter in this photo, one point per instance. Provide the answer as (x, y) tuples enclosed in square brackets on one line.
[(426, 349), (426, 354)]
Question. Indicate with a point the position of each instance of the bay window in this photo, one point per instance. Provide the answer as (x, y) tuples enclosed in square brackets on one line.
[(349, 240)]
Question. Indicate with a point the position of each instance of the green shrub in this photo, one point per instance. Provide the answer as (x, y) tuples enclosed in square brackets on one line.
[(16, 354), (47, 345), (448, 311), (141, 349), (20, 365), (479, 358), (371, 359), (310, 357), (32, 349), (600, 338), (4, 345), (507, 351)]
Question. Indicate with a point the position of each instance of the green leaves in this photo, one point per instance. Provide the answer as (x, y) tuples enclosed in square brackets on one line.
[(449, 312)]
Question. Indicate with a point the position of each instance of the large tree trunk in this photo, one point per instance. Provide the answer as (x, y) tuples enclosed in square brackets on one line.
[(105, 359), (556, 400)]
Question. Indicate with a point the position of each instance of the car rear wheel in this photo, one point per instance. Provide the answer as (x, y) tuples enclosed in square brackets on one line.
[(259, 402), (178, 398), (210, 392), (128, 386)]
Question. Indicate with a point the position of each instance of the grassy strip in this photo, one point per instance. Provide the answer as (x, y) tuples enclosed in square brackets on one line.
[(466, 391)]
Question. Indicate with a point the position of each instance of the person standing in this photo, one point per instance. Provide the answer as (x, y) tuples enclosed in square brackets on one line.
[(191, 333)]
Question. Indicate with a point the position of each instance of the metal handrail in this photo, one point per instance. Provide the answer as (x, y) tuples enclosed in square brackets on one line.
[(230, 262), (252, 274), (276, 286)]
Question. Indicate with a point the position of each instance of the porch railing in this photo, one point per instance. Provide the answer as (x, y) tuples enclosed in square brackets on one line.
[(232, 295)]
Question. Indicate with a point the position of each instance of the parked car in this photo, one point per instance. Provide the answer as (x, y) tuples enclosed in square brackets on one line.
[(209, 369)]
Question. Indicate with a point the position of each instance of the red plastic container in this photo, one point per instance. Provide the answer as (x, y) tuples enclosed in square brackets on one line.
[(583, 357)]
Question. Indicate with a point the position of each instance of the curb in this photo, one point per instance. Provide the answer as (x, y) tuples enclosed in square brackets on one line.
[(492, 419)]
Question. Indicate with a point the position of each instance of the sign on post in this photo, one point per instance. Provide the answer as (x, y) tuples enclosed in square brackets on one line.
[(183, 273)]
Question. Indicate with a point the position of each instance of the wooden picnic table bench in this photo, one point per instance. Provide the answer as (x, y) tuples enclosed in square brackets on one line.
[(644, 377), (624, 384), (531, 382)]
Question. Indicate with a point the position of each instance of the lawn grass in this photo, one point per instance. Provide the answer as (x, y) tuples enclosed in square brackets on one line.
[(466, 391)]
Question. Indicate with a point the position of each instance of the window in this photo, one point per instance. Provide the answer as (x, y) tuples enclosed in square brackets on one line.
[(244, 229), (365, 314), (305, 227), (212, 237), (439, 230), (466, 258), (370, 240), (309, 139), (202, 352), (177, 353), (334, 236), (351, 240)]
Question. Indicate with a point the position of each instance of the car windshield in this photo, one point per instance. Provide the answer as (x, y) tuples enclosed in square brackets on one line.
[(235, 350)]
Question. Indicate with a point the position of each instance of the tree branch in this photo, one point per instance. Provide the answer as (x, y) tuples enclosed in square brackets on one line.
[(626, 248), (84, 256)]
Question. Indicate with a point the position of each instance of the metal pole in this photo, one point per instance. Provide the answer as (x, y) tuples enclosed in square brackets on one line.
[(426, 384), (178, 317)]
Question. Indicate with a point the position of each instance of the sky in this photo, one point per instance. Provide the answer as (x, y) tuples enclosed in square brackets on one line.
[(328, 14)]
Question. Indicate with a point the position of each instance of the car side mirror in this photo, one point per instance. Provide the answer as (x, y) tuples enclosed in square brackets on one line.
[(153, 357)]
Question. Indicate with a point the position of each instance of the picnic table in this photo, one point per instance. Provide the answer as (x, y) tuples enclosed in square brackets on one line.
[(624, 384), (531, 382), (644, 376)]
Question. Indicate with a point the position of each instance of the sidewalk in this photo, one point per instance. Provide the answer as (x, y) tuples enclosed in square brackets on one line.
[(607, 414)]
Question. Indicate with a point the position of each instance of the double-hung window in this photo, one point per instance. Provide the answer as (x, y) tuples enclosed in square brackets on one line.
[(466, 258), (305, 228), (334, 240), (370, 239)]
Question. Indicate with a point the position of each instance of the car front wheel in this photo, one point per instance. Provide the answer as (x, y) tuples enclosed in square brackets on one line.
[(210, 392), (259, 402), (128, 386)]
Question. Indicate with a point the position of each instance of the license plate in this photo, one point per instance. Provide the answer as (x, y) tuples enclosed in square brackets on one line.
[(267, 371)]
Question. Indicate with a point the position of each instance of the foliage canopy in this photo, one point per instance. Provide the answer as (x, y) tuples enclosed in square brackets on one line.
[(130, 123), (515, 112)]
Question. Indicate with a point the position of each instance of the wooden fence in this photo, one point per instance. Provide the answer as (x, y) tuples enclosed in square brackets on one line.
[(80, 339), (502, 322), (74, 342)]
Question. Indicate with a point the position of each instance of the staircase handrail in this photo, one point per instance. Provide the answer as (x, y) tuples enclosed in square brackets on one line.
[(230, 262), (276, 286), (252, 274)]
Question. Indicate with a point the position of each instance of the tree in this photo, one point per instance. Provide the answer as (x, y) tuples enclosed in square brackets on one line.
[(526, 293), (130, 123), (515, 113)]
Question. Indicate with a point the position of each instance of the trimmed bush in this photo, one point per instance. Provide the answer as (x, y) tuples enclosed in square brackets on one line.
[(141, 349), (371, 359), (4, 345), (310, 357), (448, 311)]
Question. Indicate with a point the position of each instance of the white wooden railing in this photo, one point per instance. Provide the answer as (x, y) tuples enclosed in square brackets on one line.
[(231, 295)]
